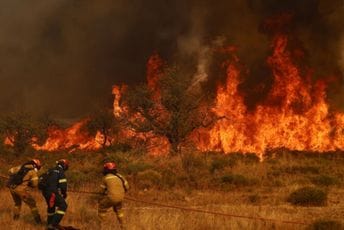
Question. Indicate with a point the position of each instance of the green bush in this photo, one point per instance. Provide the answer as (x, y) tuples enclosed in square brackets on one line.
[(169, 178), (2, 182), (308, 196), (192, 162), (237, 180), (135, 168), (326, 225), (217, 164), (302, 169), (78, 178), (254, 198), (248, 158), (324, 180), (148, 178)]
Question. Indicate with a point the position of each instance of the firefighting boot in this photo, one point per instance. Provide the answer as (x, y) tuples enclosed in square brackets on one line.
[(52, 227), (120, 218)]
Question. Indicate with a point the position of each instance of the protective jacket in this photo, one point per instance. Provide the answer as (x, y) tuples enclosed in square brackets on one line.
[(115, 186), (30, 180), (57, 182), (21, 192)]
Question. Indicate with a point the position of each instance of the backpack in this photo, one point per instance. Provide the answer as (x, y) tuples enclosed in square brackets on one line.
[(43, 180), (17, 178)]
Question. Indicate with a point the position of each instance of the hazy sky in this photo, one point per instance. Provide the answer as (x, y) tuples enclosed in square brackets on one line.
[(63, 56)]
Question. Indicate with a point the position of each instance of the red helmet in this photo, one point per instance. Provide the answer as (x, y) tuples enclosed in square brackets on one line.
[(64, 163), (37, 163), (110, 166)]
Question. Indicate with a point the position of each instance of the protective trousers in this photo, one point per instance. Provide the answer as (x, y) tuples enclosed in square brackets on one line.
[(105, 203), (57, 207), (20, 196)]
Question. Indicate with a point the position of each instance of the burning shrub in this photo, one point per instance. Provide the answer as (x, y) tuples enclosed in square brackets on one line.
[(168, 106), (324, 180), (308, 196), (22, 130), (325, 225), (106, 123)]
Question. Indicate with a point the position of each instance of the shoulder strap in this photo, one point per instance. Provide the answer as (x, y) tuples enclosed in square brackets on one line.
[(123, 181)]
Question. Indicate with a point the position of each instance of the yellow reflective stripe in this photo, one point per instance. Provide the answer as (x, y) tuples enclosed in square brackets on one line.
[(110, 177), (34, 178), (63, 181), (60, 212)]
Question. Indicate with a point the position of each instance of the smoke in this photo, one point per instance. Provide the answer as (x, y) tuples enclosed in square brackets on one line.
[(63, 56)]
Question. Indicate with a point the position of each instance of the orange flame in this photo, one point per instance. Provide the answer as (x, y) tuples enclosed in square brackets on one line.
[(295, 115), (71, 138)]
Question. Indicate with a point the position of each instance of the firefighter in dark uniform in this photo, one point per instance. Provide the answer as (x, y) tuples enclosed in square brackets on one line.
[(55, 194)]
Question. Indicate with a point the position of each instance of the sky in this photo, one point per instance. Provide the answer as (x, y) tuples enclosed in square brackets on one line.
[(62, 57)]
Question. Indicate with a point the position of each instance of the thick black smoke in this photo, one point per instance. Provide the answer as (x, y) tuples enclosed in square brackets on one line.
[(63, 56)]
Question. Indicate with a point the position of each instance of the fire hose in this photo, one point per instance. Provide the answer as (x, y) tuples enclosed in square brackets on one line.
[(192, 209)]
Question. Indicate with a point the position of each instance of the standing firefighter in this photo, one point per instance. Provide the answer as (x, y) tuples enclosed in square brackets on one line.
[(22, 179), (54, 189), (114, 187)]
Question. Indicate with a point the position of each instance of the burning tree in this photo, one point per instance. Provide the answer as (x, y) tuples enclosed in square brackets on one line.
[(168, 106), (104, 122), (22, 130)]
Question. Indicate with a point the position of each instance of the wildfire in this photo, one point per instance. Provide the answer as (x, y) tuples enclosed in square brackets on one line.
[(295, 114), (71, 138)]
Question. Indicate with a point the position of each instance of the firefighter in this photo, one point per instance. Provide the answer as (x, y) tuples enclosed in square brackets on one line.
[(114, 186), (55, 193), (22, 179)]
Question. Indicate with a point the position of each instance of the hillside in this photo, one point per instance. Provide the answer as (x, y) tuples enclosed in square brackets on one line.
[(234, 184)]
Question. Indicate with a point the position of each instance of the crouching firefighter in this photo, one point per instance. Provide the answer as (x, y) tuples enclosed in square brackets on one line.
[(53, 184), (21, 181), (114, 186)]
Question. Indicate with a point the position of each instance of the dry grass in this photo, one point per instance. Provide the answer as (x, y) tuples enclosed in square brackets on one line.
[(195, 181), (82, 212)]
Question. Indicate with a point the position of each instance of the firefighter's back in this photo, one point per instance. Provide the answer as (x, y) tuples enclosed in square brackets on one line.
[(29, 179), (52, 180), (115, 190)]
